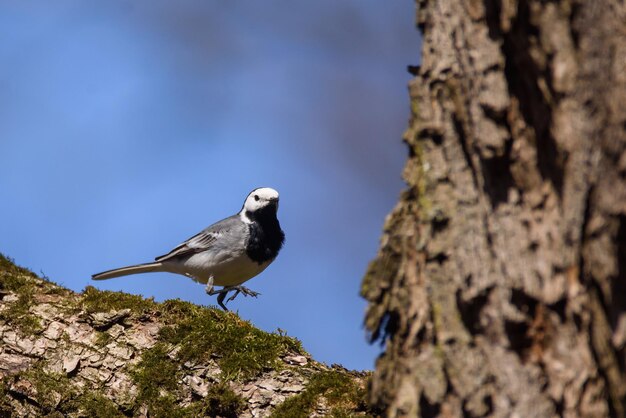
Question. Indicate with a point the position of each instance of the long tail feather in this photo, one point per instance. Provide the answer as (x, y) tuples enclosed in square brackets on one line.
[(125, 271)]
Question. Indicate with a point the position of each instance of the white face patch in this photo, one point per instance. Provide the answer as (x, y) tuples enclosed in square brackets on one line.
[(257, 199)]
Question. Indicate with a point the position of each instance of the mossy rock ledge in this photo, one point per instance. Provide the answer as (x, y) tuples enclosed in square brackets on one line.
[(111, 354)]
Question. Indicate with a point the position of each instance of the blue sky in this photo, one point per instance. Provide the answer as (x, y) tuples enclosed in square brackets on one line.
[(128, 126)]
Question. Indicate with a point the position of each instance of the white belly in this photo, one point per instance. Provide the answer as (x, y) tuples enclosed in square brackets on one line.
[(229, 270)]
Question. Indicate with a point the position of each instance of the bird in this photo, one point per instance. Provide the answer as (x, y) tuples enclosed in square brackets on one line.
[(227, 253)]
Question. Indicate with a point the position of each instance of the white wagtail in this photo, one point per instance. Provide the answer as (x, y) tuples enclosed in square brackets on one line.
[(226, 253)]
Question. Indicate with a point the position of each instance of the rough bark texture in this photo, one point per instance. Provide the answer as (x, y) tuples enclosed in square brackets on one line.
[(109, 354), (500, 286)]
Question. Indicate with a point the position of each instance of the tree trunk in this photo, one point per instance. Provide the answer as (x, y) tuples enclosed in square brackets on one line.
[(500, 286)]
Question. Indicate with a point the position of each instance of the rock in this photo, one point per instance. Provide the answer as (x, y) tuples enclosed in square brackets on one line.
[(10, 297), (141, 338), (121, 389), (116, 331), (90, 373), (70, 364), (54, 365), (248, 388), (292, 388), (25, 345), (198, 386), (32, 347), (44, 311), (297, 360), (25, 388), (41, 345), (103, 320), (213, 373), (78, 333), (104, 375), (173, 353), (120, 351), (92, 359), (13, 363), (143, 411), (110, 363), (268, 385), (258, 400), (54, 330), (13, 342)]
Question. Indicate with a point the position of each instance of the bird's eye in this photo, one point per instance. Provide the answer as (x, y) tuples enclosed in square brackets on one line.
[(256, 197)]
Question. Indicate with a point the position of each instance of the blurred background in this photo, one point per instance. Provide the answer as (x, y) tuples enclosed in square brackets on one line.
[(128, 126)]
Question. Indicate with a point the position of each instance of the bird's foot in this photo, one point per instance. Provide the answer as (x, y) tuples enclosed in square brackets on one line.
[(244, 290), (224, 291)]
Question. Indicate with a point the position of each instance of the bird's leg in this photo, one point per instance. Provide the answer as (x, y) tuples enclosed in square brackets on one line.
[(221, 293), (224, 291), (220, 299), (209, 286)]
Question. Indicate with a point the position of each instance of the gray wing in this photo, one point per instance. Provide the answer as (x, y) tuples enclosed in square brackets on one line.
[(203, 240)]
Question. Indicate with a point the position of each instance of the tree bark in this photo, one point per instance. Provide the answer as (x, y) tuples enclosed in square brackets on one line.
[(116, 355), (500, 285)]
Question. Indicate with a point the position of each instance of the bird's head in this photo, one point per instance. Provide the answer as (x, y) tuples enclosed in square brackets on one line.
[(263, 199)]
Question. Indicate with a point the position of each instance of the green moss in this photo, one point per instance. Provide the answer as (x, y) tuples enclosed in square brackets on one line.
[(7, 265), (102, 338), (157, 377), (20, 281), (53, 391), (242, 350), (18, 313), (220, 401), (415, 110), (25, 285), (56, 396), (93, 405), (17, 279), (165, 406), (174, 310), (5, 407), (198, 334), (155, 373), (95, 300), (340, 390)]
